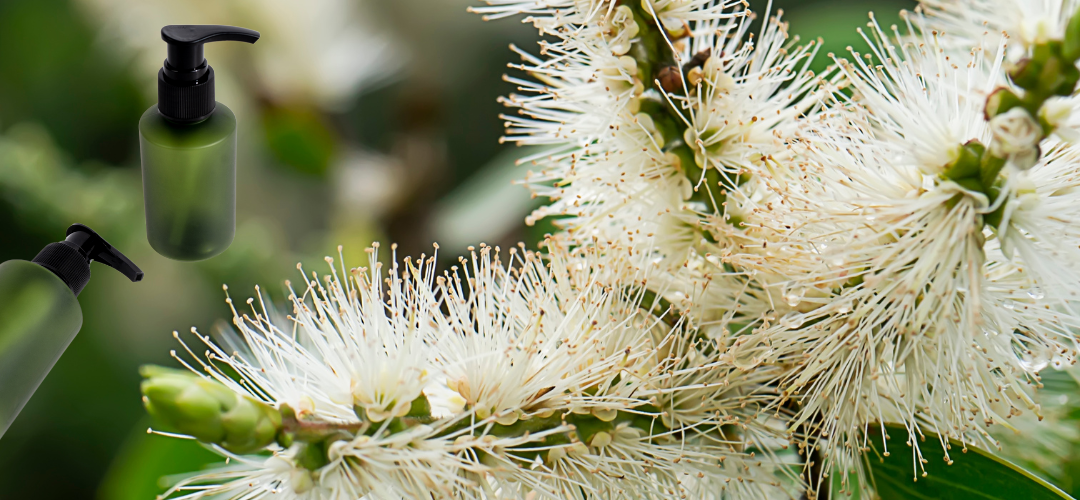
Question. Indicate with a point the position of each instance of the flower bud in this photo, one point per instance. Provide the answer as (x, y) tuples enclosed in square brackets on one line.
[(1016, 137), (966, 162), (695, 76), (716, 75), (208, 411), (1025, 74), (670, 79), (1054, 115), (989, 169), (1000, 101), (670, 14), (621, 30), (1055, 111)]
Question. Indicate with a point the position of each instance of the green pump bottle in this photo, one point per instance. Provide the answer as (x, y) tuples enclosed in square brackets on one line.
[(188, 148), (39, 312)]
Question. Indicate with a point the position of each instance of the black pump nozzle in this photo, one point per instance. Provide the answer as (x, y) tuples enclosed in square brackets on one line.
[(70, 259), (186, 80)]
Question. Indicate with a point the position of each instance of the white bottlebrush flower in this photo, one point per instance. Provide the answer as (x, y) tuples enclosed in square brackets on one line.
[(1039, 233), (639, 162), (749, 92), (552, 15), (658, 166), (535, 377), (330, 374), (923, 320), (1028, 22)]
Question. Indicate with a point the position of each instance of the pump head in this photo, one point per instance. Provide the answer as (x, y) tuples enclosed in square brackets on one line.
[(70, 259), (186, 80)]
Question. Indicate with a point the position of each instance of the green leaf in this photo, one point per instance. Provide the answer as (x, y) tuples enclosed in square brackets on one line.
[(973, 475)]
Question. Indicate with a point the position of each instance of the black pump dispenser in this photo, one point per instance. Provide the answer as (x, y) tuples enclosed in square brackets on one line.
[(186, 80), (40, 313), (70, 259)]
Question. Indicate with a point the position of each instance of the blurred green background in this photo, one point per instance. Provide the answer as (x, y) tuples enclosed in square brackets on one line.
[(360, 120)]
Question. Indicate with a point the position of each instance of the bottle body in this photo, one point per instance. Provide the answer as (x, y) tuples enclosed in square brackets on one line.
[(189, 183), (39, 317)]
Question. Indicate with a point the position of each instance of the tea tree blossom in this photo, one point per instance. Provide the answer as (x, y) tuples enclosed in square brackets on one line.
[(641, 154), (652, 130), (925, 320), (495, 380), (1028, 22), (752, 257)]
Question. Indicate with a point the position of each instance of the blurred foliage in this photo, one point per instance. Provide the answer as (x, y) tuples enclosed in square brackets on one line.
[(37, 181), (836, 22), (54, 74), (146, 462), (299, 138), (398, 163)]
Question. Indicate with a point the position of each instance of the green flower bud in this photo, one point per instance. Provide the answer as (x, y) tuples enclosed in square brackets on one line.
[(177, 400), (420, 408), (313, 456), (1057, 77), (208, 411), (989, 169), (970, 184), (1000, 101), (966, 163), (1026, 74), (250, 425)]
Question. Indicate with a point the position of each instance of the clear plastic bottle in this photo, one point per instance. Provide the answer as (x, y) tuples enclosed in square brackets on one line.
[(39, 312), (188, 145), (39, 316)]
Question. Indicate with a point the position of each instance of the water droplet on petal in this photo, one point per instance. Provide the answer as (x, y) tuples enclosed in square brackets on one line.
[(1034, 364), (794, 296), (1009, 304), (1033, 359), (1036, 293), (791, 321)]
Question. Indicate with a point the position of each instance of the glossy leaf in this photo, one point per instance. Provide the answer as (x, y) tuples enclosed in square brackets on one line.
[(975, 474)]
